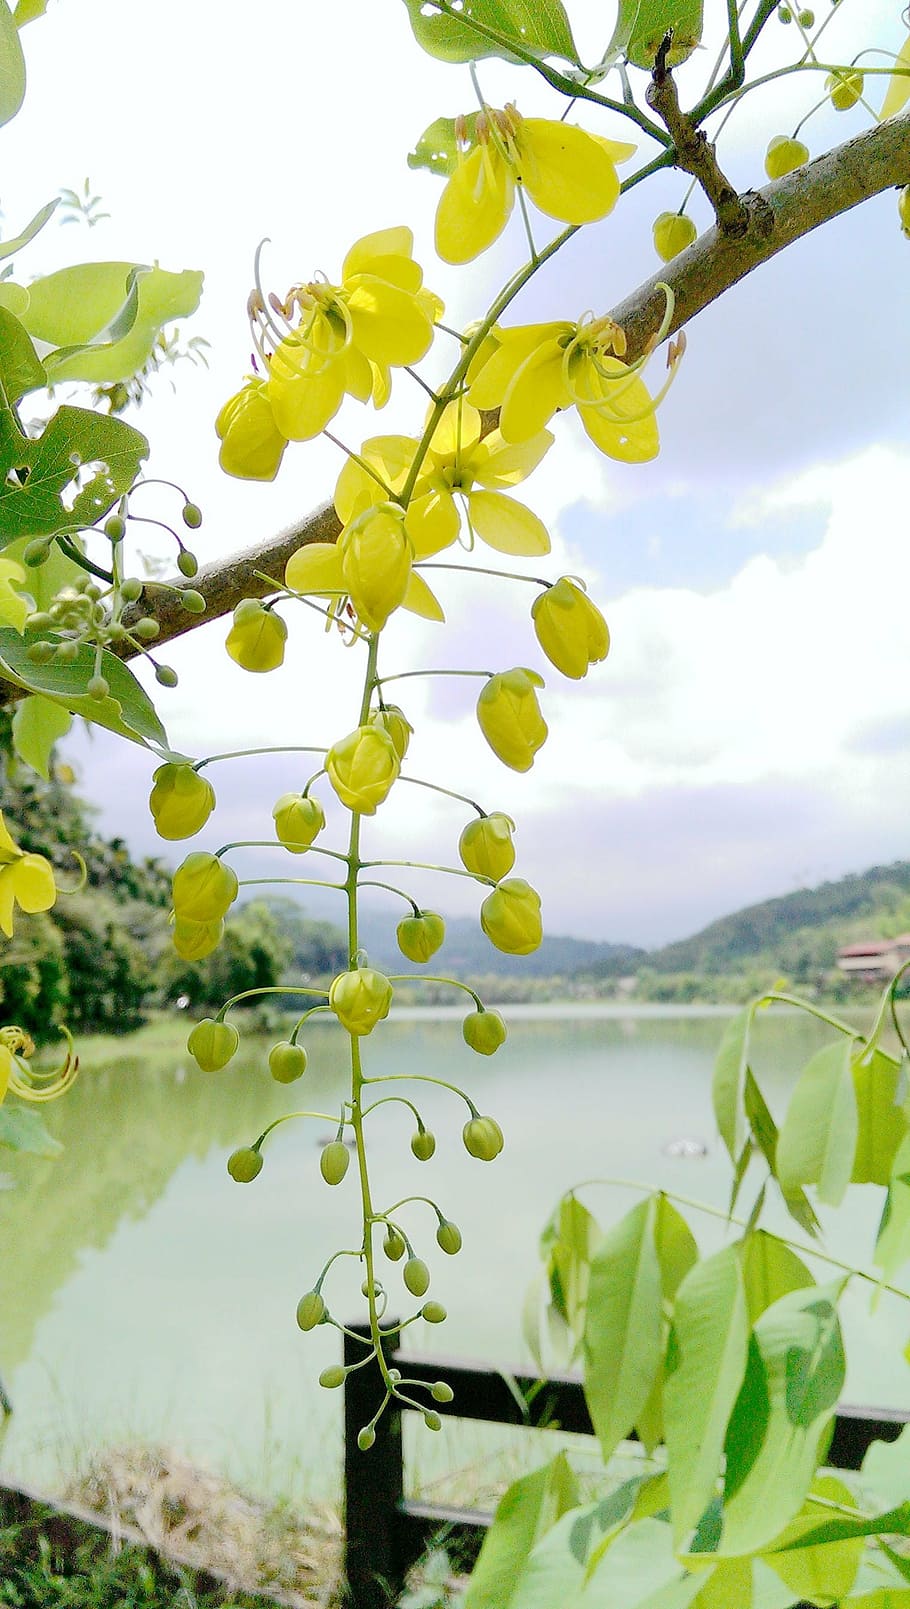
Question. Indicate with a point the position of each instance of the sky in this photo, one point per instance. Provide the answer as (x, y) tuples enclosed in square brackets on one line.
[(750, 730)]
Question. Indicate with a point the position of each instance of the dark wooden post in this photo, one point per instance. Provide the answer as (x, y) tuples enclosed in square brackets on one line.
[(373, 1485)]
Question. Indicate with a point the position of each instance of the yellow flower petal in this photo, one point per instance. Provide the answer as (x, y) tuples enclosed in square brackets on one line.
[(252, 446), (389, 325), (356, 489), (315, 568), (305, 390), (358, 375), (567, 173), (457, 432), (33, 881), (537, 389), (491, 380), (475, 205), (420, 600), (8, 849), (7, 899), (382, 243), (506, 525), (432, 522), (624, 424), (508, 463), (382, 384)]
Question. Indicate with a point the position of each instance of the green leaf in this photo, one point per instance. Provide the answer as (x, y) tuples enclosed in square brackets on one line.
[(12, 66), (106, 317), (729, 1083), (770, 1270), (555, 1570), (641, 25), (819, 1572), (898, 90), (885, 1468), (111, 449), (624, 1329), (21, 368), (706, 1362), (29, 11), (765, 1131), (529, 1509), (817, 1143), (570, 1239), (44, 581), (674, 1242), (539, 27), (39, 723), (437, 148), (742, 1584), (779, 1427), (881, 1598), (128, 710), (892, 1247), (638, 1570), (8, 247), (21, 1129), (894, 1522), (882, 1124)]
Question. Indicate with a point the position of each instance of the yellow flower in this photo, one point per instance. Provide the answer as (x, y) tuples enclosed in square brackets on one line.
[(252, 446), (570, 629), (26, 880), (486, 846), (535, 369), (256, 639), (392, 719), (348, 336), (568, 173), (360, 999), (17, 1078), (181, 800), (298, 820), (510, 717), (193, 940), (203, 888), (362, 768), (376, 563)]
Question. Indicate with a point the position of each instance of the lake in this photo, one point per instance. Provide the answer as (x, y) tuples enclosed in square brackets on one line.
[(145, 1296)]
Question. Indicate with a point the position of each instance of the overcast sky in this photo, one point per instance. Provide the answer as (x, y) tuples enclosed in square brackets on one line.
[(750, 731)]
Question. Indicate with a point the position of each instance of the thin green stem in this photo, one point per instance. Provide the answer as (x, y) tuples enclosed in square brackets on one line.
[(272, 988), (303, 882), (404, 675), (428, 866), (324, 1117), (806, 1005), (275, 843), (479, 569), (369, 882), (386, 1100), (419, 977), (417, 782), (423, 1078), (244, 754)]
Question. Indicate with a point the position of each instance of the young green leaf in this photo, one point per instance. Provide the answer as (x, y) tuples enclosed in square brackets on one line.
[(638, 1570), (538, 28), (898, 90), (437, 148), (817, 1143), (39, 723), (555, 1569), (22, 1130), (113, 449), (729, 1083), (892, 1246), (882, 1124), (819, 1572), (9, 247), (127, 710), (529, 1509), (12, 66), (642, 24), (105, 317), (21, 369), (624, 1327), (770, 1270)]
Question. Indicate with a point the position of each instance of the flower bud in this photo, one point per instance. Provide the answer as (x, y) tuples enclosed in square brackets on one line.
[(510, 717), (256, 639), (366, 1438), (432, 1420), (251, 443), (191, 514), (784, 155), (419, 937), (333, 1376), (193, 941), (244, 1165), (433, 1312), (360, 999), (298, 820), (571, 631), (393, 720), (486, 847), (483, 1138), (212, 1044), (510, 917), (416, 1276), (484, 1031), (333, 1163), (672, 233), (362, 768), (448, 1237), (394, 1245), (376, 563), (441, 1391), (845, 88), (204, 888), (181, 801), (423, 1145), (310, 1310), (287, 1062)]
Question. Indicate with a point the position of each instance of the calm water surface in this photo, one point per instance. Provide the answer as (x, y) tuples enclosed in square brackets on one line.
[(144, 1295)]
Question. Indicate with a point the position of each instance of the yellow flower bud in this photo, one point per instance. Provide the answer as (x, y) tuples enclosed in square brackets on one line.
[(510, 717), (845, 88), (510, 917), (181, 801), (360, 999), (376, 563), (393, 720), (362, 768), (193, 941), (251, 443), (484, 1031), (256, 639), (672, 233), (419, 937), (571, 631), (298, 820), (203, 888), (784, 155), (212, 1044), (486, 846)]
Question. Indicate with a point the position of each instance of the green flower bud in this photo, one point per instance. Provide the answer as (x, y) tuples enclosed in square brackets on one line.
[(784, 155), (192, 515), (376, 558), (486, 847), (115, 528), (166, 676), (67, 650), (366, 1438), (244, 1164), (416, 1276), (131, 589), (483, 1138), (192, 601), (672, 232), (419, 937), (37, 552), (333, 1376), (181, 800), (256, 639), (441, 1392), (448, 1237), (394, 1245), (252, 446), (98, 688), (433, 1312), (41, 653), (193, 941), (360, 999), (146, 629), (362, 768), (423, 1144), (212, 1044), (310, 1310), (298, 821), (571, 631), (187, 563), (204, 888), (287, 1062), (510, 917), (510, 717), (432, 1420), (393, 720), (484, 1031), (845, 88), (333, 1163)]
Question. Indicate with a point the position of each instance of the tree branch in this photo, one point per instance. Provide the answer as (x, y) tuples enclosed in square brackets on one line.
[(876, 160), (694, 151)]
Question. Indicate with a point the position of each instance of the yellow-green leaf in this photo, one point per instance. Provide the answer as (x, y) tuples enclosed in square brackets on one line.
[(39, 723), (898, 90)]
